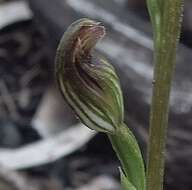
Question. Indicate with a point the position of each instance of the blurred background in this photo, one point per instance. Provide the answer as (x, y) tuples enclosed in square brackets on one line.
[(42, 143)]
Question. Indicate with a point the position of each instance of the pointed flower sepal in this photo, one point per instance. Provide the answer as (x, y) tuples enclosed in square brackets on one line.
[(88, 82)]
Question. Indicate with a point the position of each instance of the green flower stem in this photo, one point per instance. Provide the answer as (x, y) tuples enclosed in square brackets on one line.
[(166, 20), (128, 152)]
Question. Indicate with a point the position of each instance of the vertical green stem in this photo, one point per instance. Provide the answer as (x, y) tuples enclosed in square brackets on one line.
[(166, 21)]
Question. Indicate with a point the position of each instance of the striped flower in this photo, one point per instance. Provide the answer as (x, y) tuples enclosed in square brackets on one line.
[(88, 82)]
